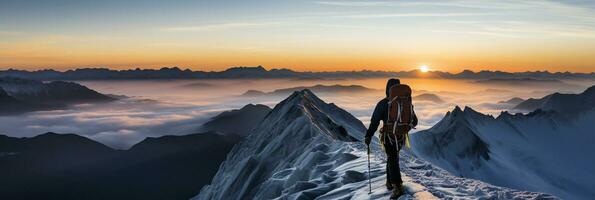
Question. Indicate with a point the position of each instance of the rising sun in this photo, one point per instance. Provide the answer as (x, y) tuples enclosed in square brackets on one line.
[(424, 68)]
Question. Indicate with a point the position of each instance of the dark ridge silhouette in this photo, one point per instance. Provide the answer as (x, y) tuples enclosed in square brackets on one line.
[(68, 166), (10, 105), (261, 72), (514, 101), (238, 122), (428, 97), (55, 92), (563, 103), (253, 93), (19, 95), (318, 89)]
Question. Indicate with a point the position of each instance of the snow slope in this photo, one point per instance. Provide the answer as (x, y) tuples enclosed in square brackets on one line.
[(542, 151), (308, 149)]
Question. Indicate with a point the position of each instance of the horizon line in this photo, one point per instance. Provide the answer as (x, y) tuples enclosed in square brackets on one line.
[(270, 69)]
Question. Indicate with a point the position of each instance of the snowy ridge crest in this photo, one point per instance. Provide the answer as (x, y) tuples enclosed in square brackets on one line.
[(301, 140), (330, 119), (455, 137)]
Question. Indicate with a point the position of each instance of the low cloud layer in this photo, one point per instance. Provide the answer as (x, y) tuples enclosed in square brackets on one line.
[(177, 110)]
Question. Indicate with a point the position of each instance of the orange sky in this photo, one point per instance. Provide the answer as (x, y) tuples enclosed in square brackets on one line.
[(300, 35), (304, 61)]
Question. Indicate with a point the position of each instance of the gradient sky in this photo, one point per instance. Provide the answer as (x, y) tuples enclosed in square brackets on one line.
[(510, 35)]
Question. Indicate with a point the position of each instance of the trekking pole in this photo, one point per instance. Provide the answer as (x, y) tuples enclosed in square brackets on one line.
[(369, 180)]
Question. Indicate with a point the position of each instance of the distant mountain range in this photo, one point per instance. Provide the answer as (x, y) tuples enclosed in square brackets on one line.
[(318, 89), (513, 101), (260, 72), (562, 103), (428, 97), (22, 95)]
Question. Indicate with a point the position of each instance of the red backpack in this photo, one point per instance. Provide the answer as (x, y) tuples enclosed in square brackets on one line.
[(400, 112)]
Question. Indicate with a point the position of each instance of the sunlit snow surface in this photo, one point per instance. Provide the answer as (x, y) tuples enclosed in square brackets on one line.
[(306, 149)]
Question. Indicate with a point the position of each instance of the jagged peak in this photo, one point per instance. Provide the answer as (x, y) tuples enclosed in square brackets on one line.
[(466, 112), (244, 68), (327, 115), (298, 96), (457, 109)]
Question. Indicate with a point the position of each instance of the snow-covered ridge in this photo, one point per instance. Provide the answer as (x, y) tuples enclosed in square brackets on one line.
[(308, 149), (541, 151), (294, 144)]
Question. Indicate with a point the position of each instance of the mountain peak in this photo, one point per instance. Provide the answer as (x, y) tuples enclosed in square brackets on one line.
[(289, 143), (334, 121), (256, 69), (457, 111), (589, 91), (303, 94), (458, 115), (566, 104)]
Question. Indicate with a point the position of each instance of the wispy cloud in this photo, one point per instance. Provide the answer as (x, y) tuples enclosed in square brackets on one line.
[(461, 4), (219, 27), (484, 33), (400, 15), (355, 3), (524, 30)]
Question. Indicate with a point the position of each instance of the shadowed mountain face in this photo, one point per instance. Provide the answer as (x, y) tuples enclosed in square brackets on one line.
[(513, 101), (56, 92), (67, 166), (10, 105), (30, 95), (562, 103), (540, 151), (239, 121)]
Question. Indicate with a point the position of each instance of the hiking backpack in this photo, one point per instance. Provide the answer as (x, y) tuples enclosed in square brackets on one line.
[(400, 112)]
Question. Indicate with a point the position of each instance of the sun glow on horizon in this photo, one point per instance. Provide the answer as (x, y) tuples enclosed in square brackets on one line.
[(424, 68)]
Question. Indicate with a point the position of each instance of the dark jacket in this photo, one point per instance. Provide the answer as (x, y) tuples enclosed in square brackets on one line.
[(380, 112)]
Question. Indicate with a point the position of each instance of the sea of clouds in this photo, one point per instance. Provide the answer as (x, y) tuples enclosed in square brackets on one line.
[(178, 107)]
